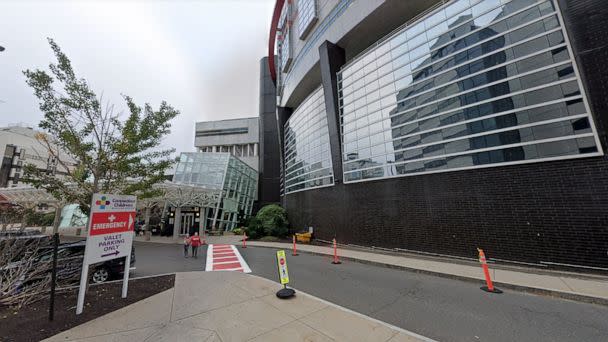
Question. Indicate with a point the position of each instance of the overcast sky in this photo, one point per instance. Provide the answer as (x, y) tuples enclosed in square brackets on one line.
[(200, 56)]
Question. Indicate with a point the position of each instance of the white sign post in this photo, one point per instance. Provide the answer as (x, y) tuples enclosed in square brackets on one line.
[(110, 236)]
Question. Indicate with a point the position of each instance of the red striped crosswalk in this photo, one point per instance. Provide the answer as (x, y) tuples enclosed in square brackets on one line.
[(225, 258)]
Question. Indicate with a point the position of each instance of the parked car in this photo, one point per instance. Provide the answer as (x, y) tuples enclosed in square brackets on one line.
[(69, 265), (140, 227), (100, 273)]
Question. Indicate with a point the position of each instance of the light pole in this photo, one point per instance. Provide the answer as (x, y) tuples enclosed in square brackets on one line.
[(1, 49)]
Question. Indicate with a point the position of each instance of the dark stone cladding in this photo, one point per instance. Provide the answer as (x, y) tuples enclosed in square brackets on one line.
[(587, 25), (331, 58), (541, 212), (269, 156)]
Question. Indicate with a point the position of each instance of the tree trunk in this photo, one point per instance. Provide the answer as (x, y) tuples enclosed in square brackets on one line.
[(57, 219), (177, 223), (95, 190), (163, 218), (148, 232), (23, 221)]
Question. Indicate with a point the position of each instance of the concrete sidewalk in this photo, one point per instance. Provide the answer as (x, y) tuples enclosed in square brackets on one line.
[(588, 289), (232, 306)]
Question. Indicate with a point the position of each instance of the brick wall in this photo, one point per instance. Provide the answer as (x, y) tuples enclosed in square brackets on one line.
[(552, 211)]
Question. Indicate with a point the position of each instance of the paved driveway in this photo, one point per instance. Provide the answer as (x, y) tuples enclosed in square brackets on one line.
[(440, 308), (159, 258)]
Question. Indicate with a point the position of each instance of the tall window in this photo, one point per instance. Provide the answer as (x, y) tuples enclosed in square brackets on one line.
[(476, 83), (307, 156), (284, 41), (307, 17)]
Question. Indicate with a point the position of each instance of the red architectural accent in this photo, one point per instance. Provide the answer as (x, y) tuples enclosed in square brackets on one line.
[(278, 7)]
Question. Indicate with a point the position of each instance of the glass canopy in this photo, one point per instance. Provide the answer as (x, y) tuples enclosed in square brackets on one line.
[(220, 171)]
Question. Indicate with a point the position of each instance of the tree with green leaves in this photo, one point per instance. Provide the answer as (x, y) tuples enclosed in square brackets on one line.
[(96, 148)]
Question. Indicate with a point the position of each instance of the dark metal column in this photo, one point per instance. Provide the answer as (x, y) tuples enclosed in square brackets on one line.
[(586, 22), (331, 59), (269, 151)]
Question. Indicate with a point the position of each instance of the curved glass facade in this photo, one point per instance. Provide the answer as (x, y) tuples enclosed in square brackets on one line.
[(476, 83), (307, 155), (221, 171)]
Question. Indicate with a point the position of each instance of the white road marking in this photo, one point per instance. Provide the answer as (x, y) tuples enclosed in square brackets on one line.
[(246, 268), (209, 261), (222, 255)]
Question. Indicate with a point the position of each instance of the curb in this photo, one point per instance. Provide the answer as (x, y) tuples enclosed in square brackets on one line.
[(345, 309), (520, 288)]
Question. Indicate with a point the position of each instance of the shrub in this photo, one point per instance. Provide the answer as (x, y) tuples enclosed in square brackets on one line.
[(48, 219), (237, 231), (39, 219), (273, 219), (255, 230)]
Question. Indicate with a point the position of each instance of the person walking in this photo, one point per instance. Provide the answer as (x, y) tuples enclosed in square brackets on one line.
[(186, 245), (195, 242)]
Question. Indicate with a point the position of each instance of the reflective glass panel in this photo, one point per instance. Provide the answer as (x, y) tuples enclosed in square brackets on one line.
[(307, 154), (474, 83), (307, 16)]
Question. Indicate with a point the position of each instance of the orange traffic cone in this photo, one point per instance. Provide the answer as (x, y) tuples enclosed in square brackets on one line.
[(336, 260), (486, 272)]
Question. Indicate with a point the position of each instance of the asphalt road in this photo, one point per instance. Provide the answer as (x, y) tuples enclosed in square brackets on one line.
[(158, 258), (440, 308)]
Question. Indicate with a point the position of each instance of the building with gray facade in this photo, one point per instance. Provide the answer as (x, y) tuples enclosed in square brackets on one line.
[(442, 126), (21, 146), (239, 137)]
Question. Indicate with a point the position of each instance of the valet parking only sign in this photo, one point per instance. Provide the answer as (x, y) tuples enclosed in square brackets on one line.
[(110, 236), (110, 228)]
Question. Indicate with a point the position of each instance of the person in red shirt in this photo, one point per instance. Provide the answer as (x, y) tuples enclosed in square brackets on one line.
[(195, 242)]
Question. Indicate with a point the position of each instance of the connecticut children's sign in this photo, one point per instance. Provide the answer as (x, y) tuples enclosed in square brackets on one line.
[(110, 236)]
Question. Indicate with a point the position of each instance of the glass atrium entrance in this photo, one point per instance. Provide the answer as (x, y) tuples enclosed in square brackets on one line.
[(225, 174)]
